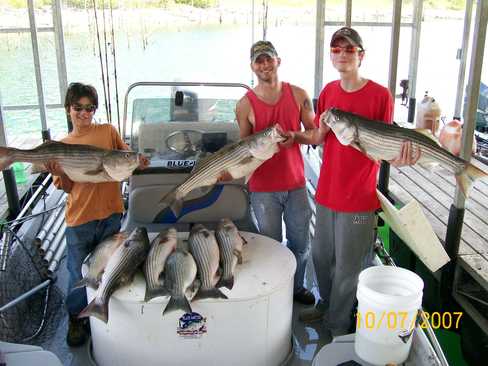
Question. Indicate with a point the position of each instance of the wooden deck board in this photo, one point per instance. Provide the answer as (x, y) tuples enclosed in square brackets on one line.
[(435, 193)]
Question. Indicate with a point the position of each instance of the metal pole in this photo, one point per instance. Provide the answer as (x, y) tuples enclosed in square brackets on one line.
[(392, 76), (25, 296), (348, 13), (60, 52), (462, 56), (414, 57), (319, 47), (456, 213), (37, 66)]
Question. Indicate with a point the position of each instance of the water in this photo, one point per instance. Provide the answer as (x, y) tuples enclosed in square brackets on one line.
[(215, 54)]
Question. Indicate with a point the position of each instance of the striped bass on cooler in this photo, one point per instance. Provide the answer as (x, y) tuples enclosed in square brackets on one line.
[(205, 251), (161, 247), (230, 247), (119, 271), (98, 259)]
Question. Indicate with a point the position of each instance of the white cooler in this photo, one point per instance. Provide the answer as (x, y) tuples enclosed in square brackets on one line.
[(252, 327)]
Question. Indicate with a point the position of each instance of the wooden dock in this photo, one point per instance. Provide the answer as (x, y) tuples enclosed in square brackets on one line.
[(435, 193)]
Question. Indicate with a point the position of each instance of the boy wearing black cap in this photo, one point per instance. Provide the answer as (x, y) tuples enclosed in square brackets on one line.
[(346, 191), (278, 186)]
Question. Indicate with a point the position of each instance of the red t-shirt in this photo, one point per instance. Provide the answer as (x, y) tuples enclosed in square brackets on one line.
[(284, 171), (347, 181)]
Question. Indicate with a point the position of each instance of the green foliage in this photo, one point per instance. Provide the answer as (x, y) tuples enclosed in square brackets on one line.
[(197, 3)]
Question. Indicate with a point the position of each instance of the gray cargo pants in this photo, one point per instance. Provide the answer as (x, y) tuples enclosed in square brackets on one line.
[(341, 246)]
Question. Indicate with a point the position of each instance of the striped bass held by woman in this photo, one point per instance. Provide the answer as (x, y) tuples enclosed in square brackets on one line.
[(380, 141), (81, 163)]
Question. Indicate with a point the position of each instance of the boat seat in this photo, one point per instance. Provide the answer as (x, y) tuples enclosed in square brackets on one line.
[(24, 354), (203, 205)]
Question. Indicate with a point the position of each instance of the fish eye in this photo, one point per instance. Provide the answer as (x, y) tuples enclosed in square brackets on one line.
[(127, 155)]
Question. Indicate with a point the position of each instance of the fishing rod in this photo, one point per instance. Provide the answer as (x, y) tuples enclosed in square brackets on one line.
[(115, 67), (106, 64), (100, 57)]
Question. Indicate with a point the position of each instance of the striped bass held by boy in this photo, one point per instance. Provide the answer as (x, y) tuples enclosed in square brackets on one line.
[(380, 141), (236, 160), (81, 163)]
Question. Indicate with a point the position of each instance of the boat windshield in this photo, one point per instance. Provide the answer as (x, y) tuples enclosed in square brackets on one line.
[(176, 124)]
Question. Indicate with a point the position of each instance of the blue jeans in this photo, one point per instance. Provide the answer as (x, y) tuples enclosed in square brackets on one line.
[(292, 207), (80, 241)]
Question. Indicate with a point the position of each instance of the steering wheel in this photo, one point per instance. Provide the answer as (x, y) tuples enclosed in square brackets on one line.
[(186, 142)]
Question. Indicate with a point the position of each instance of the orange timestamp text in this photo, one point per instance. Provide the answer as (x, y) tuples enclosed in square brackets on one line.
[(390, 320)]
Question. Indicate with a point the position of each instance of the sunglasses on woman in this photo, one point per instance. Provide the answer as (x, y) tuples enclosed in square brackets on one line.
[(347, 49), (90, 108)]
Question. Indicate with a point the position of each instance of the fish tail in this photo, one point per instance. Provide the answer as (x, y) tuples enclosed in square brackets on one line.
[(226, 282), (176, 303), (96, 309), (152, 293), (86, 282), (213, 293), (173, 201), (467, 177), (6, 157)]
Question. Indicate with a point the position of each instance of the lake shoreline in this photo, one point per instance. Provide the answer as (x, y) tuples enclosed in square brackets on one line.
[(178, 17)]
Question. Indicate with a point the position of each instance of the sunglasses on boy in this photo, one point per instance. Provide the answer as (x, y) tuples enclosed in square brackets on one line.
[(90, 108), (347, 49)]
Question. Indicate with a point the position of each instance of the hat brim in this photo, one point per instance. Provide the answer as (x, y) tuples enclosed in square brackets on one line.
[(269, 53), (347, 38)]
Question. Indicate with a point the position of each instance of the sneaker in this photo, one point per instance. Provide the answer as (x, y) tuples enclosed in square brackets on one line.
[(311, 315), (304, 297), (77, 332)]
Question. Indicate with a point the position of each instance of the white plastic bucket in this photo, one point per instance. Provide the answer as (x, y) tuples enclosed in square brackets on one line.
[(388, 301)]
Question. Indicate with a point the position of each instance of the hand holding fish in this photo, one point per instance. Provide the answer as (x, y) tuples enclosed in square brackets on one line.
[(143, 162), (290, 139), (54, 168), (408, 155)]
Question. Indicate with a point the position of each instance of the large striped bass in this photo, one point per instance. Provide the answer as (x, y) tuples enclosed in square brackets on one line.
[(230, 247), (161, 247), (381, 141), (98, 259), (179, 274), (205, 251), (81, 163), (238, 160), (119, 271)]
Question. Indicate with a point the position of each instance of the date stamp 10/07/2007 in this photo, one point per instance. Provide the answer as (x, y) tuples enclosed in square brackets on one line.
[(393, 320)]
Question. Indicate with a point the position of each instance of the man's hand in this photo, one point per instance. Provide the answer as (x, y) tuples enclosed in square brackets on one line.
[(54, 168), (290, 139), (408, 155), (322, 119), (143, 162)]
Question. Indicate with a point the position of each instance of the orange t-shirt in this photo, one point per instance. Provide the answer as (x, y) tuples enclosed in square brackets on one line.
[(93, 201)]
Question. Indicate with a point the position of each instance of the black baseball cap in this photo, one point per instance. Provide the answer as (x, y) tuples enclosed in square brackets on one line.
[(262, 48), (349, 35)]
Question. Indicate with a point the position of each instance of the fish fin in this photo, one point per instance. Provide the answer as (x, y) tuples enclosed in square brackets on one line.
[(152, 293), (213, 293), (429, 134), (171, 200), (94, 172), (86, 282), (37, 168), (358, 147), (467, 177), (176, 303), (227, 282), (244, 241), (5, 157), (238, 254), (95, 309)]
